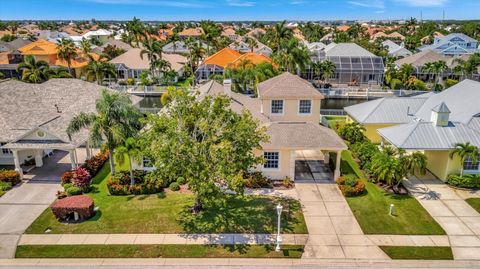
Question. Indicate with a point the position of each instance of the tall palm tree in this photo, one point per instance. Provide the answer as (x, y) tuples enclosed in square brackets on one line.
[(33, 71), (210, 32), (132, 151), (317, 70), (464, 151), (136, 29), (174, 38), (405, 72), (252, 43), (98, 69), (67, 51), (85, 46), (116, 120), (280, 34), (440, 67), (153, 49)]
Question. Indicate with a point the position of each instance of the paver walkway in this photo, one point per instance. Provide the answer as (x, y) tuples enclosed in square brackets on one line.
[(459, 220)]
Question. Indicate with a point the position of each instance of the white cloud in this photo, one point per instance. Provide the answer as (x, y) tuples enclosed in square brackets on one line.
[(380, 11), (186, 4), (368, 3), (297, 2), (239, 3), (423, 3)]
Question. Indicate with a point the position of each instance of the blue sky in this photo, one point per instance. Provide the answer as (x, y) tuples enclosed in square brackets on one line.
[(238, 9)]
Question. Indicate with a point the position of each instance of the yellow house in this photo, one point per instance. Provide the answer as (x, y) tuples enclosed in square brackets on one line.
[(43, 50), (442, 121)]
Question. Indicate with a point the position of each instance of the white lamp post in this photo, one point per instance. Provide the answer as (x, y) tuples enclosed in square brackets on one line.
[(279, 238)]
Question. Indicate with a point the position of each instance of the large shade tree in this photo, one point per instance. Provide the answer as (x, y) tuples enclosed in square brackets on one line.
[(205, 142), (115, 120)]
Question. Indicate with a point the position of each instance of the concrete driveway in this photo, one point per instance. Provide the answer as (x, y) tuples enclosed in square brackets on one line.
[(310, 167)]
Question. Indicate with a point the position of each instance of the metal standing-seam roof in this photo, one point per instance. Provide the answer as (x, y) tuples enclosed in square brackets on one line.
[(425, 135), (287, 85), (386, 110)]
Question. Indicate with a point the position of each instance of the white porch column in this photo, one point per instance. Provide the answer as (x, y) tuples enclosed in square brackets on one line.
[(293, 156), (39, 158), (382, 141), (326, 159), (72, 158), (88, 150), (337, 165), (16, 160)]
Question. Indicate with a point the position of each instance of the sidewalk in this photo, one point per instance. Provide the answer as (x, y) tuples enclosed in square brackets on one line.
[(231, 239), (459, 220)]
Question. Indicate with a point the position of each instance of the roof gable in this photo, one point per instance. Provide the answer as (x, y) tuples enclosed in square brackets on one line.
[(287, 85)]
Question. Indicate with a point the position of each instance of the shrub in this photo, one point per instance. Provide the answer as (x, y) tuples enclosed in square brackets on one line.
[(11, 176), (73, 191), (466, 181), (95, 163), (174, 186), (83, 205), (396, 84), (287, 182), (256, 180), (67, 177), (419, 85), (145, 183), (67, 186), (181, 180), (364, 151), (81, 178), (5, 186), (350, 185), (450, 82)]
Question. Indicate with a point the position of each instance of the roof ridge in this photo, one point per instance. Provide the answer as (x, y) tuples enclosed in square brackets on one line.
[(375, 108), (417, 123)]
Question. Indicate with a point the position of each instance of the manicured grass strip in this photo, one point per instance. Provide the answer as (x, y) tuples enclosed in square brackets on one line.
[(2, 193), (475, 203), (371, 210), (157, 251), (418, 253), (170, 213)]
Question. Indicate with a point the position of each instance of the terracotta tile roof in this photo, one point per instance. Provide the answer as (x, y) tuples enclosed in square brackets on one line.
[(287, 85), (252, 57), (39, 47), (78, 62), (343, 28), (191, 32), (223, 57), (4, 57)]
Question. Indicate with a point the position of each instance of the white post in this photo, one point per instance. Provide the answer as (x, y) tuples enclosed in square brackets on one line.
[(337, 165), (76, 157), (326, 157), (88, 150), (72, 158), (279, 238), (17, 163), (293, 156), (38, 158)]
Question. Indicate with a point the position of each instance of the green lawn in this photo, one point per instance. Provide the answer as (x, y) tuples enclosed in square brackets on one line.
[(169, 213), (473, 202), (371, 210), (157, 251), (418, 253)]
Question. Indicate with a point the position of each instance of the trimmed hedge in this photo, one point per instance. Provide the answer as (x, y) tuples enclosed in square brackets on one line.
[(95, 163), (145, 183), (174, 186), (470, 181), (10, 176), (83, 205)]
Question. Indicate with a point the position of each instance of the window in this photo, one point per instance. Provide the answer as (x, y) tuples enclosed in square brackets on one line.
[(305, 107), (277, 107), (271, 160), (470, 165), (5, 151), (146, 162)]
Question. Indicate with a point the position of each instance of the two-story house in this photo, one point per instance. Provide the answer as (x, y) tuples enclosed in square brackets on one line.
[(455, 44), (289, 108)]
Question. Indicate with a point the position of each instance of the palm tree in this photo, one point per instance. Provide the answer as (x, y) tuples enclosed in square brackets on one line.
[(353, 132), (136, 30), (280, 33), (174, 38), (210, 32), (59, 73), (162, 65), (252, 43), (464, 151), (67, 51), (33, 71), (317, 71), (132, 151), (416, 161), (153, 49), (387, 169), (440, 67), (98, 69), (116, 120), (85, 46), (328, 70), (405, 72)]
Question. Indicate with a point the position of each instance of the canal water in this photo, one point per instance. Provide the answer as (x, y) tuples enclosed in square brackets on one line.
[(149, 102)]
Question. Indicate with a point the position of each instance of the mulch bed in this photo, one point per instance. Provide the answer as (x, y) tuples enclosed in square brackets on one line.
[(400, 189)]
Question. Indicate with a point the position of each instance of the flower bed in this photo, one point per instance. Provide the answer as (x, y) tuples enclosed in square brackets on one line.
[(469, 181), (351, 186), (10, 176), (81, 205), (145, 183), (95, 163)]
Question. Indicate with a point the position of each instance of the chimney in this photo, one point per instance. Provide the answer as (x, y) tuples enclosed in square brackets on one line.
[(227, 87)]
